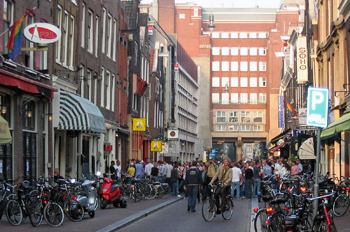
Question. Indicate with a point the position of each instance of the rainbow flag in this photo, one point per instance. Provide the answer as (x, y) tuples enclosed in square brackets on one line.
[(15, 40), (291, 110)]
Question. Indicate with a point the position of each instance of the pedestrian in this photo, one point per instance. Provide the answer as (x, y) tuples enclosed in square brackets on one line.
[(294, 168), (249, 174), (138, 169), (300, 167), (154, 173), (205, 182), (237, 179), (267, 170), (112, 171), (169, 168), (148, 168), (192, 183), (131, 172), (174, 177), (57, 175), (257, 178)]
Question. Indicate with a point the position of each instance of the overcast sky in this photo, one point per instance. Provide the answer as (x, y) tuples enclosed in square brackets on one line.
[(228, 3)]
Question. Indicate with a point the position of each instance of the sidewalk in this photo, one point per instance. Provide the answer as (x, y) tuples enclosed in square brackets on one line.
[(342, 223), (106, 220)]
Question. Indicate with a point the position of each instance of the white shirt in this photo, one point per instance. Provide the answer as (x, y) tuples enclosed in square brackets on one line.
[(169, 168), (236, 172), (118, 169), (148, 169), (277, 168)]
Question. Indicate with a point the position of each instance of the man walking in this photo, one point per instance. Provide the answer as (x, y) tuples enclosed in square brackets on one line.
[(248, 181), (237, 178), (192, 183)]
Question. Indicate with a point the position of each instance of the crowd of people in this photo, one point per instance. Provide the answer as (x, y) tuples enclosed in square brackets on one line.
[(240, 179)]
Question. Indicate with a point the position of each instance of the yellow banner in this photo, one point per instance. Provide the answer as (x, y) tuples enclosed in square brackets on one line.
[(139, 124), (156, 146)]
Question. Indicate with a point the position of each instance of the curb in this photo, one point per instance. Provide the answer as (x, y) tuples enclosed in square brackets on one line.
[(137, 216), (254, 205)]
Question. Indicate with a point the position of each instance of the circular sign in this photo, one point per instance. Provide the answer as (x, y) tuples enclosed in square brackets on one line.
[(42, 33), (172, 133)]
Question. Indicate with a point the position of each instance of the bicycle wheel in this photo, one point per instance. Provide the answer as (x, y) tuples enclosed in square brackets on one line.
[(73, 210), (319, 226), (341, 205), (260, 221), (209, 210), (35, 212), (149, 193), (166, 191), (227, 214), (276, 221), (14, 213), (137, 194), (53, 214)]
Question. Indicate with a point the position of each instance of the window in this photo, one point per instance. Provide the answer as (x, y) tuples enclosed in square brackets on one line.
[(225, 65), (65, 38), (234, 51), (59, 25), (136, 52), (233, 116), (82, 83), (225, 35), (262, 97), (95, 90), (71, 42), (245, 127), (29, 55), (252, 35), (220, 116), (225, 98), (245, 116), (244, 51), (244, 98), (262, 51), (253, 82), (253, 66), (253, 98), (257, 116), (96, 36), (220, 127), (104, 15), (234, 66), (244, 66), (253, 51), (243, 35), (103, 87), (28, 112), (216, 66), (224, 81), (225, 51), (29, 155), (233, 127), (181, 16), (244, 82), (258, 127), (234, 81), (262, 81), (89, 86), (114, 55), (90, 31), (195, 12), (234, 98), (215, 97), (82, 26), (215, 51), (109, 36), (215, 35), (234, 35), (262, 35), (108, 90), (8, 21), (262, 66), (113, 93), (216, 82)]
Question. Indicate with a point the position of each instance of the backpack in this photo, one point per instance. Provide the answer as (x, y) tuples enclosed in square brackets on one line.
[(211, 171)]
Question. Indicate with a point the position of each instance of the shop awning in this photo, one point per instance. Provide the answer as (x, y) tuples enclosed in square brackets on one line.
[(307, 149), (80, 114), (5, 134), (275, 148), (339, 125), (278, 137)]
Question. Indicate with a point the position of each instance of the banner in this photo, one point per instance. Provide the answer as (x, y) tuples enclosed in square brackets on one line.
[(156, 145), (280, 112), (302, 60), (139, 124)]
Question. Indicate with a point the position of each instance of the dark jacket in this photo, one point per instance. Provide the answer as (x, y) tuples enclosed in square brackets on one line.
[(193, 177), (206, 178), (174, 175)]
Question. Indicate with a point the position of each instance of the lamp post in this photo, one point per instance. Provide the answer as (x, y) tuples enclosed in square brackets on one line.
[(211, 24), (224, 147)]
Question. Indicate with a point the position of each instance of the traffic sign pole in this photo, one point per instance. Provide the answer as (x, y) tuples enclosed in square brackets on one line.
[(317, 165)]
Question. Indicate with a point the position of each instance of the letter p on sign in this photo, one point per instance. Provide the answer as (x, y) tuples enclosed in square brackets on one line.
[(317, 107)]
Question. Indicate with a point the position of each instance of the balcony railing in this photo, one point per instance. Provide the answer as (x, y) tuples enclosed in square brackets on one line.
[(250, 102)]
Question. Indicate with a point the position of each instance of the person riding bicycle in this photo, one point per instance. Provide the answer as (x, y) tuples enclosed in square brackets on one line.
[(224, 176)]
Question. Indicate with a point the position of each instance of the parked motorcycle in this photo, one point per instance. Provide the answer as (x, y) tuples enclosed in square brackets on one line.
[(110, 194)]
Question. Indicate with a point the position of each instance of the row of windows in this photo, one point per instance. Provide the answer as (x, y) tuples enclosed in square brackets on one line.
[(240, 35), (238, 66), (225, 82), (225, 98), (240, 128), (238, 116), (235, 51)]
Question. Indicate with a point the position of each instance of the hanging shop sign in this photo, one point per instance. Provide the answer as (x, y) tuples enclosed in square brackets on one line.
[(42, 33), (156, 145), (173, 134), (139, 124), (302, 59)]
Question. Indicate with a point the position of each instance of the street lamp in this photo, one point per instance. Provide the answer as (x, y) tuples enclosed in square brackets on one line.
[(211, 24)]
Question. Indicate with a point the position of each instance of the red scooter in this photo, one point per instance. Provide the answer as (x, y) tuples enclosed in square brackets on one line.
[(110, 194)]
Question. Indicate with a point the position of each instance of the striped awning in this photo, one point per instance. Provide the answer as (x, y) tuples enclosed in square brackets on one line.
[(80, 114)]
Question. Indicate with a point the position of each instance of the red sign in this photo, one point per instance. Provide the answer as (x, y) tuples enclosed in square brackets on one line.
[(108, 147), (176, 67), (150, 30), (42, 33)]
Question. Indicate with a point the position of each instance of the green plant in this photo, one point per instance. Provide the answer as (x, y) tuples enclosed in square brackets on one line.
[(293, 157)]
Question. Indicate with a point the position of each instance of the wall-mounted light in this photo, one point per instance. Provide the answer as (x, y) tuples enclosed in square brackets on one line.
[(28, 113), (3, 109), (49, 116), (211, 24)]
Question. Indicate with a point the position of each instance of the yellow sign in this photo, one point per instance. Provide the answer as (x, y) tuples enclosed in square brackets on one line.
[(139, 124), (156, 146)]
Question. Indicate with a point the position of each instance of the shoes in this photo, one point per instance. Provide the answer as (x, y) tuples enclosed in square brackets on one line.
[(179, 195), (188, 208), (193, 210)]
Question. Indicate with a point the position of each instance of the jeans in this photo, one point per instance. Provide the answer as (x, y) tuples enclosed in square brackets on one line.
[(192, 192), (204, 192), (155, 178), (221, 191), (248, 188), (237, 186), (257, 183), (242, 189), (175, 186)]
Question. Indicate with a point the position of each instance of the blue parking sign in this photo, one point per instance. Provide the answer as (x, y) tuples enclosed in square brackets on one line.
[(317, 107)]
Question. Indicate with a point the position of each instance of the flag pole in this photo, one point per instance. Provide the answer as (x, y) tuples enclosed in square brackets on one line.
[(11, 26)]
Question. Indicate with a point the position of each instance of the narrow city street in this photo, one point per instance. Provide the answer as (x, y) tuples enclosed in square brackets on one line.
[(176, 218)]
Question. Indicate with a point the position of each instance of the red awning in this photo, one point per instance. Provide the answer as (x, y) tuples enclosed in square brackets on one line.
[(10, 81), (272, 150)]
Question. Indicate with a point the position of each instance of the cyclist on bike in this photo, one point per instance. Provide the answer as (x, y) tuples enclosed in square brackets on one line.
[(224, 176)]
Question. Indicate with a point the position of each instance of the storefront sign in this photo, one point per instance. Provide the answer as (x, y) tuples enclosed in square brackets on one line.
[(156, 145), (302, 59), (139, 124), (43, 33)]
